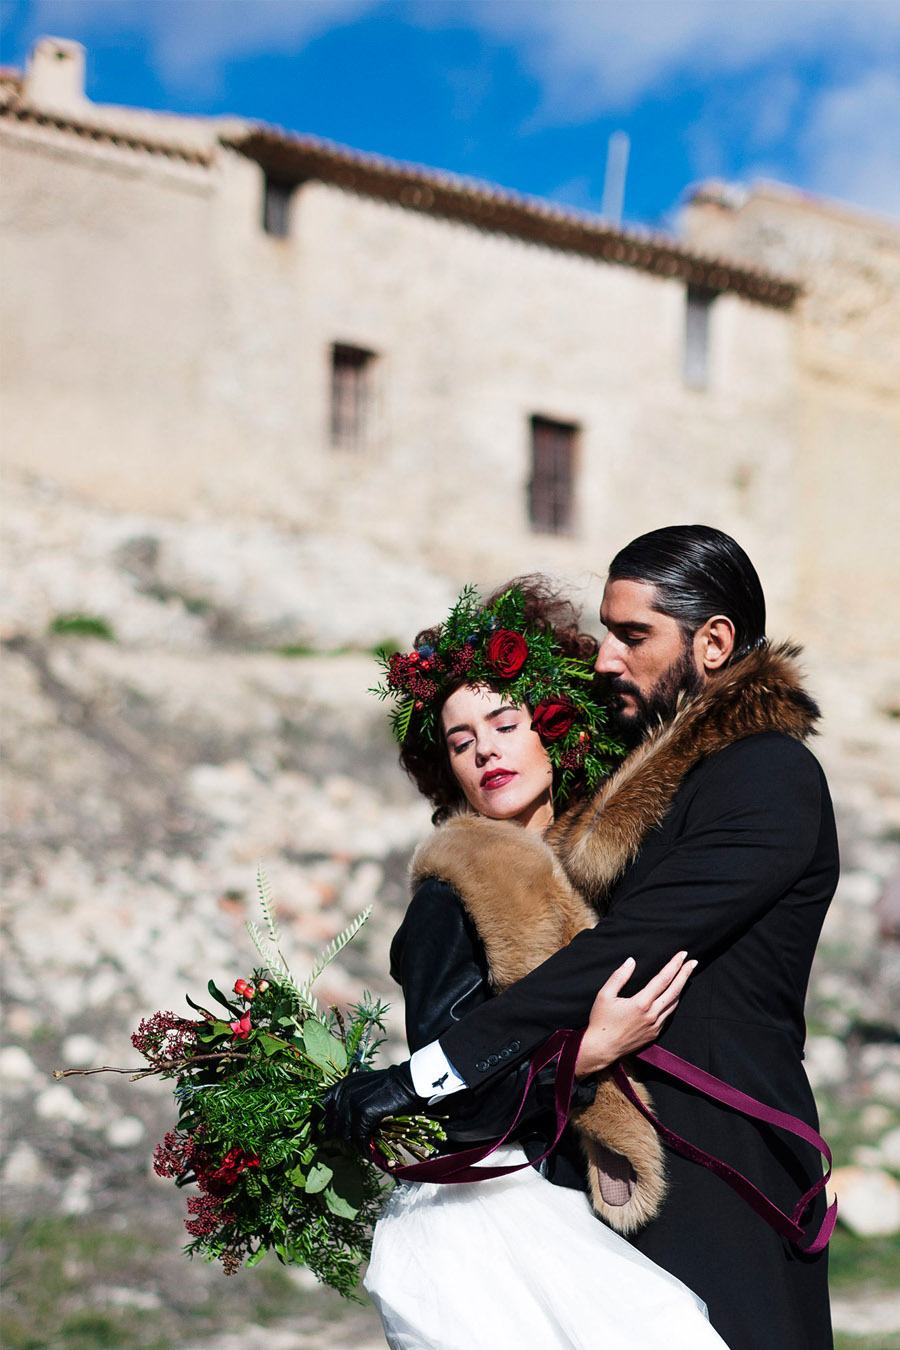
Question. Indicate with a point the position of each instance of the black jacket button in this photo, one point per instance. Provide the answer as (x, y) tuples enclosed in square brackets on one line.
[(482, 1066)]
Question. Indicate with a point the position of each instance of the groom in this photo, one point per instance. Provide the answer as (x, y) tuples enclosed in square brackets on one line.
[(716, 837)]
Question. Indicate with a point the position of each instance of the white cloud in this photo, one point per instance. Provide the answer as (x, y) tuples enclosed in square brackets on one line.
[(192, 41), (595, 56), (851, 143), (753, 58), (770, 108)]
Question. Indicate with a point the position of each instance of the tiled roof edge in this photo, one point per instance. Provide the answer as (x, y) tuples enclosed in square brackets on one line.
[(91, 131), (298, 158)]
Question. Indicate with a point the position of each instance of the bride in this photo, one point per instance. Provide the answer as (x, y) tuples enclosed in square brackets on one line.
[(498, 727)]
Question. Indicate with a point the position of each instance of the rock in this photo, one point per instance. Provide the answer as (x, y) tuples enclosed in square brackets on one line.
[(825, 1061), (870, 1313), (851, 929), (875, 1117), (16, 1066), (868, 1200), (888, 909), (880, 1064), (80, 1051), (23, 1167), (76, 1196), (103, 988), (19, 1021), (858, 888), (889, 1148), (58, 1103), (125, 1132), (885, 1085), (867, 1155), (120, 1296)]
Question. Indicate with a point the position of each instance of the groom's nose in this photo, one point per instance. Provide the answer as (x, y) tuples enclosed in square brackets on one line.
[(609, 657)]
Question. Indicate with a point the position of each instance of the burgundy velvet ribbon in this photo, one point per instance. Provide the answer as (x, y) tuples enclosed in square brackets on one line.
[(789, 1226), (563, 1047)]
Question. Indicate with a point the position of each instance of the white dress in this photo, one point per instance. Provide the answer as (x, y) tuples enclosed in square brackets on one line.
[(516, 1263)]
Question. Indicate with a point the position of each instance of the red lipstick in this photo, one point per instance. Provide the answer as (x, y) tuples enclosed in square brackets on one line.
[(496, 778)]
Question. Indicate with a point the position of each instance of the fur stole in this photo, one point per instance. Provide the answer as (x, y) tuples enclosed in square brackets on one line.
[(597, 839), (525, 909)]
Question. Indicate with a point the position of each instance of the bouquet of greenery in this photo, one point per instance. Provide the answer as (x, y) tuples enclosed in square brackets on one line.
[(249, 1079)]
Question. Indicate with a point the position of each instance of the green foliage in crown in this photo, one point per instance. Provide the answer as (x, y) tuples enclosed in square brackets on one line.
[(494, 645)]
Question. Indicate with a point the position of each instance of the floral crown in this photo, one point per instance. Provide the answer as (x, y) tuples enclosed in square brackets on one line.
[(495, 645)]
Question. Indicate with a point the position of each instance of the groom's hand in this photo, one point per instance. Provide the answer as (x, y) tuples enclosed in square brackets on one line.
[(356, 1106)]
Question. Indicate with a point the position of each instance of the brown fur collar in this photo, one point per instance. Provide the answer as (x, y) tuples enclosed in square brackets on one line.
[(525, 909), (512, 886), (597, 839)]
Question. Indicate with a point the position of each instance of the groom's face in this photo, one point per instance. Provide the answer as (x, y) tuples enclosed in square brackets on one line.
[(645, 658)]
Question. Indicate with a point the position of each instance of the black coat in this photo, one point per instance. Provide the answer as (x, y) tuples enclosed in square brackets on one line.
[(739, 871), (439, 961)]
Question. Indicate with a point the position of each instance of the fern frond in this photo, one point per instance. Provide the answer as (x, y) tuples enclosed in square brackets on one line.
[(334, 949), (273, 958), (401, 719), (306, 1005), (305, 1002), (268, 909)]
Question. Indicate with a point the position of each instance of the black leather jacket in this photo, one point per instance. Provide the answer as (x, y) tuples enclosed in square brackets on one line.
[(438, 959)]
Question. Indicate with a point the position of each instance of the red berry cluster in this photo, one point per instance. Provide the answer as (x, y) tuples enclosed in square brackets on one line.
[(175, 1155), (209, 1214), (574, 758), (461, 659), (413, 675), (165, 1036), (244, 989)]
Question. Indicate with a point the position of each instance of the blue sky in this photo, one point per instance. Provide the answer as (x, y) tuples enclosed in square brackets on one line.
[(525, 92)]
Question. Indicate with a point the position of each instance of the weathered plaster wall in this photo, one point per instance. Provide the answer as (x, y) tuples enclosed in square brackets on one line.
[(163, 353), (847, 486)]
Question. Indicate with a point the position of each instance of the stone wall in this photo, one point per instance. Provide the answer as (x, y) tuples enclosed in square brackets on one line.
[(163, 353), (847, 397)]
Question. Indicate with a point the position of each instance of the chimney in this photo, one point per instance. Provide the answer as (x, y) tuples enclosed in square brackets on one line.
[(54, 76)]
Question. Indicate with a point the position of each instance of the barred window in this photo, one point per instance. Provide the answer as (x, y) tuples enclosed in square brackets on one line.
[(698, 307), (277, 196), (351, 396), (551, 491)]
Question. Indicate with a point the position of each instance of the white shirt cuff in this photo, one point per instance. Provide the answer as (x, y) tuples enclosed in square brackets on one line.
[(433, 1075)]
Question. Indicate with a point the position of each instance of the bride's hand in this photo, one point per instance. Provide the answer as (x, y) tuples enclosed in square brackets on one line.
[(619, 1025)]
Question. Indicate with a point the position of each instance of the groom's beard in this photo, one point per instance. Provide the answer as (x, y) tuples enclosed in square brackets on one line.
[(659, 705)]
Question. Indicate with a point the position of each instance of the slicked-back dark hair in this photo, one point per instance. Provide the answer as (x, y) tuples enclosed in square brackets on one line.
[(697, 572)]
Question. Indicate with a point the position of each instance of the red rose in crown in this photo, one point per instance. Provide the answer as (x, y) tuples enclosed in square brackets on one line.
[(506, 652), (553, 717)]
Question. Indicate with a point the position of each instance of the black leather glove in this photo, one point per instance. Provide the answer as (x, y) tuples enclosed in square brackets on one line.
[(356, 1106)]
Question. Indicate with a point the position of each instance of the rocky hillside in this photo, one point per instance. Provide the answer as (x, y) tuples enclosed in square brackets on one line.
[(183, 700)]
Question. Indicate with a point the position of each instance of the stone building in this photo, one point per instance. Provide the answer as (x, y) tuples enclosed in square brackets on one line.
[(210, 317), (847, 394)]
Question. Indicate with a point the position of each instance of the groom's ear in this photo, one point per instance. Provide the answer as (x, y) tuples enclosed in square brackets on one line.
[(714, 643)]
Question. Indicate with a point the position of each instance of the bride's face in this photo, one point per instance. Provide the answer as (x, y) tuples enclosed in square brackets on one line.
[(498, 761)]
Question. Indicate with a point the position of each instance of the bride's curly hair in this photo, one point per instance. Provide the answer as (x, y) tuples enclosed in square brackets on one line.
[(546, 609)]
